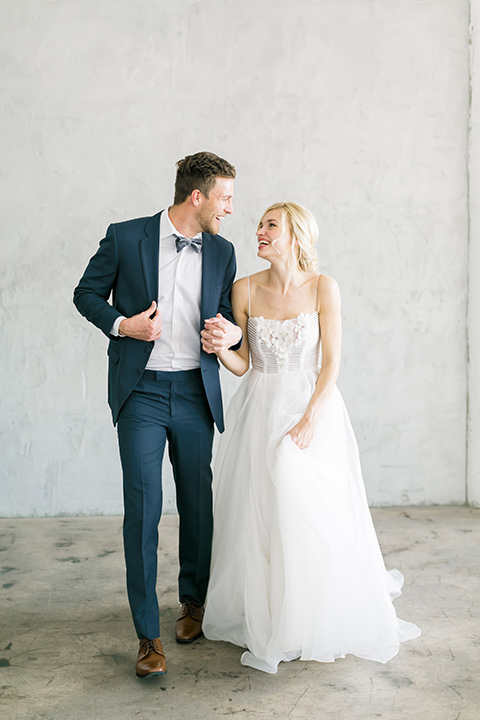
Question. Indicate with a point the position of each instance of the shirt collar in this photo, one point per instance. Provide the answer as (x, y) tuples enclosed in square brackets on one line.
[(167, 228)]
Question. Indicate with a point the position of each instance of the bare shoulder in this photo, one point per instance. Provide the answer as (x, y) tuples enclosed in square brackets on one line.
[(258, 278), (240, 295), (328, 291), (240, 286)]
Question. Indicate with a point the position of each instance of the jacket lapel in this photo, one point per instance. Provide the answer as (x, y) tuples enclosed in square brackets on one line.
[(149, 249)]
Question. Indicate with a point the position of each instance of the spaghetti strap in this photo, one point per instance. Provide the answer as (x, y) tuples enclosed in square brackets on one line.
[(316, 296), (248, 283)]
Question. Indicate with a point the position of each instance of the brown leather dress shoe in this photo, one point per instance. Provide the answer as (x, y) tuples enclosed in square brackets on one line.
[(151, 659), (189, 623)]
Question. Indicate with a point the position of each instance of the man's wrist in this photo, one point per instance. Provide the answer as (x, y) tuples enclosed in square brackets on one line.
[(115, 331), (122, 329)]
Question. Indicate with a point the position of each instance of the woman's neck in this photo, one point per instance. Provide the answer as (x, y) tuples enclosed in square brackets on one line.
[(285, 276)]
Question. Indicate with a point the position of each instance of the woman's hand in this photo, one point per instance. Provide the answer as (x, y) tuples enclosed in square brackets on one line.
[(302, 433)]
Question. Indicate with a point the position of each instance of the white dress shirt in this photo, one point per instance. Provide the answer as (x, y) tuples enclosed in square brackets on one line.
[(179, 288)]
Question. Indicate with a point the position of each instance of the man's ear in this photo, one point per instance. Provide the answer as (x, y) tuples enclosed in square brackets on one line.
[(196, 198)]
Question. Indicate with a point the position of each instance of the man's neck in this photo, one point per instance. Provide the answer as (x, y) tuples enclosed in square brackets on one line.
[(183, 220)]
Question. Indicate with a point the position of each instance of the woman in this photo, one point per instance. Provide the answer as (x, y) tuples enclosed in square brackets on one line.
[(296, 567)]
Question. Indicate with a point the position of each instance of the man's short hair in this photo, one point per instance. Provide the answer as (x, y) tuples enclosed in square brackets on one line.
[(199, 172)]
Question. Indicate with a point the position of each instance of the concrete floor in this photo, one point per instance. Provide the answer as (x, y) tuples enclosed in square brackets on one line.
[(67, 646)]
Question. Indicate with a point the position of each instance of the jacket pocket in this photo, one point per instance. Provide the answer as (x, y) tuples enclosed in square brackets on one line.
[(113, 353)]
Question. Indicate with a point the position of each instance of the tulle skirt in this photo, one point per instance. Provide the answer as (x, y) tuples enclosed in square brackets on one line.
[(296, 567)]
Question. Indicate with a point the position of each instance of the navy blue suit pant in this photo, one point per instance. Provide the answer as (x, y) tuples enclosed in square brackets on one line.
[(166, 406)]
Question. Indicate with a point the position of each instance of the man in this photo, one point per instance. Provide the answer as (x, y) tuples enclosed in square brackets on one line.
[(167, 275)]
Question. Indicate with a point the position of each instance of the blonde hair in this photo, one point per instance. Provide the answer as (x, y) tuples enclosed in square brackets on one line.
[(304, 230)]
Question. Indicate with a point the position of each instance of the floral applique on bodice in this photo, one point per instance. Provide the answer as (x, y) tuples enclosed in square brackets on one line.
[(279, 346)]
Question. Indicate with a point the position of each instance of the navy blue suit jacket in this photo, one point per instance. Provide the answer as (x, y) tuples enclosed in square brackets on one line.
[(126, 267)]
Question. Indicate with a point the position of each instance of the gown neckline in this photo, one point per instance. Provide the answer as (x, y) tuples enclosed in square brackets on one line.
[(302, 314)]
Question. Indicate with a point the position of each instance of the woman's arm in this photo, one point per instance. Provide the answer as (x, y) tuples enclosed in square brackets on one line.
[(331, 332), (237, 361)]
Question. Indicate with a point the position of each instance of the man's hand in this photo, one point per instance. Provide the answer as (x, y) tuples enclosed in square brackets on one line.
[(145, 326), (219, 334)]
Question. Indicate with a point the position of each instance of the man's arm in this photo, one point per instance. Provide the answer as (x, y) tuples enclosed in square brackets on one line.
[(222, 331), (237, 361), (93, 291)]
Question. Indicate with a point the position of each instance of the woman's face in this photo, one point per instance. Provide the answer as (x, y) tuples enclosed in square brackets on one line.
[(273, 235)]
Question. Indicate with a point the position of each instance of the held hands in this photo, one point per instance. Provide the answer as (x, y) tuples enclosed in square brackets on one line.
[(219, 334), (145, 326)]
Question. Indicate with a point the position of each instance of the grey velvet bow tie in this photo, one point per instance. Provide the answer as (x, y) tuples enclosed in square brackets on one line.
[(181, 242)]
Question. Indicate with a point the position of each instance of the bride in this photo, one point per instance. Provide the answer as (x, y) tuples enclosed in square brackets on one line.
[(296, 567)]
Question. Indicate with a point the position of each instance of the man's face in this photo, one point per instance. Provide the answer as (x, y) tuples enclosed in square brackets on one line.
[(216, 206)]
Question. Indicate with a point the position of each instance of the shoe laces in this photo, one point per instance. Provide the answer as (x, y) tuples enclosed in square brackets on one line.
[(149, 646), (189, 607)]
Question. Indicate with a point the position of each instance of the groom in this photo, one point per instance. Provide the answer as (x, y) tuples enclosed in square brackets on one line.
[(166, 275)]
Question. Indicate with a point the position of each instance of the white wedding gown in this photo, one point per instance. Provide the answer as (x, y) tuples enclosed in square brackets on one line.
[(296, 567)]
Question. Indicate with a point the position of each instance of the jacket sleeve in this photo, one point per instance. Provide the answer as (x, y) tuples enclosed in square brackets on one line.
[(93, 291), (225, 304)]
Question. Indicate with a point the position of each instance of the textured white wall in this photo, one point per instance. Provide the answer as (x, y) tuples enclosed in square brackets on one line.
[(474, 267), (357, 109)]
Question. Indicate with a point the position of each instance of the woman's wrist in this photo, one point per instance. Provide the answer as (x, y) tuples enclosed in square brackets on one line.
[(312, 414)]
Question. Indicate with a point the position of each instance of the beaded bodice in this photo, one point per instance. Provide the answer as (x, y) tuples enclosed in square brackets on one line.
[(279, 346)]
